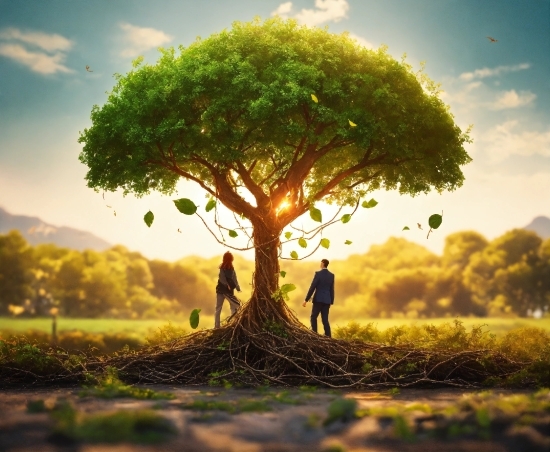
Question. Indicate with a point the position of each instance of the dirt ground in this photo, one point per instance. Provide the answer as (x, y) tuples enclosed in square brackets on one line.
[(294, 420)]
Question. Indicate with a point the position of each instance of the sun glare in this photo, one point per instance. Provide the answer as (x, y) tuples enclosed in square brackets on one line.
[(282, 206)]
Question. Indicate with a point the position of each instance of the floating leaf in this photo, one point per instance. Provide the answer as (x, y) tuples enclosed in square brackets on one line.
[(288, 235), (286, 288), (185, 206), (314, 98), (435, 220), (294, 255), (325, 243), (369, 204), (345, 218), (302, 242), (406, 228), (194, 318), (210, 204), (348, 242), (282, 273), (352, 124), (316, 214), (148, 218), (233, 233)]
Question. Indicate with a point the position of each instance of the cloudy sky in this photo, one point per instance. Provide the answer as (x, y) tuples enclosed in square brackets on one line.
[(502, 88)]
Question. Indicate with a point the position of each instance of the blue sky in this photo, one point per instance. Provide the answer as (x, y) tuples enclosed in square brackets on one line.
[(502, 88)]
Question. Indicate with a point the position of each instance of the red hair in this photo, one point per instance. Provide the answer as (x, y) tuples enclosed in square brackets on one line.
[(227, 262)]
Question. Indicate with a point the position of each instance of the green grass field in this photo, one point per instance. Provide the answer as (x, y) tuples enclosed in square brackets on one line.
[(141, 328)]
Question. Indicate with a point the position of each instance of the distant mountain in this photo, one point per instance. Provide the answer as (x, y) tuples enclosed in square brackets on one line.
[(37, 231), (540, 225)]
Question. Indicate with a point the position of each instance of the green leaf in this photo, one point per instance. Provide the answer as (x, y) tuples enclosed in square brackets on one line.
[(435, 220), (148, 218), (185, 206), (316, 214), (194, 318), (282, 273), (233, 233), (352, 124), (294, 255), (348, 242), (370, 204), (210, 204), (286, 288), (302, 242), (406, 228), (325, 243), (345, 218), (314, 98), (288, 235)]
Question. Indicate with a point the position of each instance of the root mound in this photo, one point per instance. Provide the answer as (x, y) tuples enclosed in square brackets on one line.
[(267, 344)]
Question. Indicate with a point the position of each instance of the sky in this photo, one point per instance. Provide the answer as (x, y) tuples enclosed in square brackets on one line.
[(502, 88)]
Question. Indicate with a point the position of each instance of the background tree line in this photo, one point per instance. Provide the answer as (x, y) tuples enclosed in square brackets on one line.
[(508, 276)]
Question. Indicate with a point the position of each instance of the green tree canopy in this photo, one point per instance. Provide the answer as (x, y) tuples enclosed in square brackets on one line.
[(235, 113)]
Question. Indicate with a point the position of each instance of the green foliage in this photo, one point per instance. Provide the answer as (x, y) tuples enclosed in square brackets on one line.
[(148, 218), (282, 273), (109, 387), (348, 242), (210, 204), (288, 234), (164, 334), (185, 206), (275, 328), (435, 221), (232, 233), (369, 204), (345, 218), (294, 255), (406, 228), (194, 318), (325, 243), (302, 242), (316, 214)]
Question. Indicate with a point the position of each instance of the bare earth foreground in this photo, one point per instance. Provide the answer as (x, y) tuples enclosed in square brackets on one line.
[(276, 419)]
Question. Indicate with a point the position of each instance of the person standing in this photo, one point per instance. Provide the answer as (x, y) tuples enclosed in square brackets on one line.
[(322, 289), (227, 283)]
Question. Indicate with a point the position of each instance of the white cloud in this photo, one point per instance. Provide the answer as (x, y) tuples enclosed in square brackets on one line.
[(511, 99), (509, 138), (47, 42), (362, 41), (37, 61), (488, 72), (141, 39), (325, 11), (41, 52)]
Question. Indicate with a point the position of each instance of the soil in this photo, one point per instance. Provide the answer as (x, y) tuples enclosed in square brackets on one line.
[(293, 422)]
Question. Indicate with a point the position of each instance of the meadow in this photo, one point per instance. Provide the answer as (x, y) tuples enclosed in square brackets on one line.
[(141, 328)]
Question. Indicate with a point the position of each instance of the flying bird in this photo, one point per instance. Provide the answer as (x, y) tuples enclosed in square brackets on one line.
[(179, 230), (88, 69), (419, 225), (492, 39)]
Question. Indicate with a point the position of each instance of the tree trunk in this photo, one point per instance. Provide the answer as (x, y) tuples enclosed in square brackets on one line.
[(266, 273)]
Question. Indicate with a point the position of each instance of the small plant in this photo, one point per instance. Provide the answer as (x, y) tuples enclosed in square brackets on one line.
[(341, 410), (275, 328), (109, 387), (394, 391)]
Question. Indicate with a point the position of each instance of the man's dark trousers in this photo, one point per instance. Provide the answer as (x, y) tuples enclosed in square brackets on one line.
[(320, 308)]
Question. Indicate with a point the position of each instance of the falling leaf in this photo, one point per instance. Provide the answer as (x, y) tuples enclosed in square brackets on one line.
[(286, 288), (325, 243), (352, 124), (288, 235), (114, 211), (148, 218), (348, 242), (406, 228), (369, 204), (108, 206), (233, 233), (210, 204), (179, 230), (294, 255), (302, 242), (88, 68), (435, 220), (185, 206), (316, 214), (194, 318), (314, 98), (282, 273), (419, 226), (345, 218)]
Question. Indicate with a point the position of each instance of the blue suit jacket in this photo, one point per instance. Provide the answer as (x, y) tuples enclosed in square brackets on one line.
[(323, 286)]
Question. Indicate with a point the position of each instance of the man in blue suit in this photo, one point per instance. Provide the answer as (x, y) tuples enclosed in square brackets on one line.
[(323, 286)]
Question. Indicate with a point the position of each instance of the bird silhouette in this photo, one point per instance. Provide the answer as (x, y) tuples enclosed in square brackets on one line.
[(492, 39), (179, 231), (88, 69), (419, 226)]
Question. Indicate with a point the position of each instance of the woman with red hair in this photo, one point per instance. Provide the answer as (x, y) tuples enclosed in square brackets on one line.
[(227, 283)]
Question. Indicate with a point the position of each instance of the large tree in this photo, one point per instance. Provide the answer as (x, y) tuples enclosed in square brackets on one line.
[(270, 118)]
